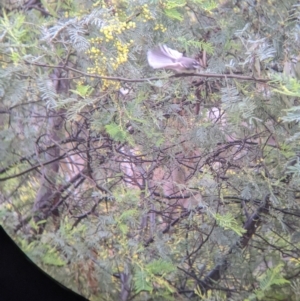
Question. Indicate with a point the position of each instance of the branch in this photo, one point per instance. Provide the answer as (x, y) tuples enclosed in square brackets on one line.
[(149, 79), (65, 155), (78, 177), (39, 151), (169, 226), (250, 226)]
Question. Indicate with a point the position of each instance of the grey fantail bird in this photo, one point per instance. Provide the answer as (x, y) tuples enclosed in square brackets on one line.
[(167, 58)]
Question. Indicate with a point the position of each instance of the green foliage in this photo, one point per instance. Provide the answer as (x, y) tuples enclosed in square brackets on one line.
[(272, 277), (83, 90), (143, 182), (14, 27), (52, 257), (152, 275), (207, 5), (171, 9), (173, 14), (197, 44), (116, 132), (229, 222), (286, 85)]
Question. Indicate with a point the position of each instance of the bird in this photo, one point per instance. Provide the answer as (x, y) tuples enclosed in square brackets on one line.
[(164, 57)]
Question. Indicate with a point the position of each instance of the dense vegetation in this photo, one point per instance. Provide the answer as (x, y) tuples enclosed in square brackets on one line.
[(128, 183)]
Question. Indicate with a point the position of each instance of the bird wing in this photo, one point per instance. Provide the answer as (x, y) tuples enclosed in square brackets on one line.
[(171, 52), (163, 57)]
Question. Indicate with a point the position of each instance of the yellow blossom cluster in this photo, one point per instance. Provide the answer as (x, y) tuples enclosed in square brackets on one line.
[(117, 55), (160, 27), (99, 56), (110, 84), (93, 52), (97, 3), (122, 57), (107, 51), (116, 28), (146, 13), (97, 40), (101, 70)]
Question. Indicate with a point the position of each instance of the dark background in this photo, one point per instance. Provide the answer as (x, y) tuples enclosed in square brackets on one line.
[(21, 279)]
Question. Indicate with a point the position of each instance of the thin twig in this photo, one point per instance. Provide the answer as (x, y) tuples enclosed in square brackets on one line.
[(149, 79)]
